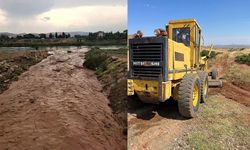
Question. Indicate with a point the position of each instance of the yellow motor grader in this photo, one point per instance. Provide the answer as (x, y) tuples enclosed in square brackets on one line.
[(169, 65)]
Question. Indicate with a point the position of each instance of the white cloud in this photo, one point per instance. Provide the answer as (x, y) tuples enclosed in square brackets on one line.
[(73, 3), (25, 8), (88, 18), (82, 18), (3, 18)]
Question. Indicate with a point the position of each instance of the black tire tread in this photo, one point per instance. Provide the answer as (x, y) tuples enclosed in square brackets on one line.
[(185, 94), (203, 77)]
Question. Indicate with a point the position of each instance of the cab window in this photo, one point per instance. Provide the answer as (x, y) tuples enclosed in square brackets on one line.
[(182, 35), (197, 36)]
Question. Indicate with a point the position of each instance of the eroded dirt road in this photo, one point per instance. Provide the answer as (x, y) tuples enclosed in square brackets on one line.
[(58, 104)]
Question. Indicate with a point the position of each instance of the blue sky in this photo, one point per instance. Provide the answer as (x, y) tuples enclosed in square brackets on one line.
[(222, 21)]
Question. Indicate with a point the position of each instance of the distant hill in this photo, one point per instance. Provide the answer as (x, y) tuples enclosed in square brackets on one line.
[(36, 34), (233, 46), (7, 33)]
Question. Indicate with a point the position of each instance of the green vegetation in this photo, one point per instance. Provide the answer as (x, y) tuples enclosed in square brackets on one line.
[(107, 36), (243, 59), (236, 49), (96, 59), (206, 52), (60, 42), (223, 125), (64, 39), (111, 71)]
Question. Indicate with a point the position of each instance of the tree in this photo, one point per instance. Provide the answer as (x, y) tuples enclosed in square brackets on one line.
[(56, 35), (4, 37), (29, 36), (42, 36), (51, 35), (68, 35), (59, 36), (19, 36), (63, 35)]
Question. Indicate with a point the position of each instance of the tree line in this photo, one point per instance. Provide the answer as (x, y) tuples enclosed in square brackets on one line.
[(37, 36), (100, 35), (92, 36)]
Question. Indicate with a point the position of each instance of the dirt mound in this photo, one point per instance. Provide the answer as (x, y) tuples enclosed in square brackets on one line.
[(242, 85), (220, 65), (58, 104), (112, 72), (12, 65), (233, 92)]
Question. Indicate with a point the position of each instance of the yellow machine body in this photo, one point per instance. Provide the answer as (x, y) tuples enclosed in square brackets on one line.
[(178, 59)]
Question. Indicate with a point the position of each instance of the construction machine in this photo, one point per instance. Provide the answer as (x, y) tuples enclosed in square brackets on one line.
[(169, 65)]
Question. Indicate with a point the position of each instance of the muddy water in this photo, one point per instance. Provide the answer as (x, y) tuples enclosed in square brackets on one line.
[(58, 104), (53, 48)]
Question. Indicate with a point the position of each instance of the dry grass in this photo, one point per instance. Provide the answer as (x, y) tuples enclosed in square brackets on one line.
[(222, 124)]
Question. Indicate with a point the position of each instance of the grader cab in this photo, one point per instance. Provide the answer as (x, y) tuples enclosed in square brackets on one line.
[(169, 65)]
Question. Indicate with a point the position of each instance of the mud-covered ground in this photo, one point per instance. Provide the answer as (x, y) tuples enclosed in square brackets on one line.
[(12, 64), (58, 104)]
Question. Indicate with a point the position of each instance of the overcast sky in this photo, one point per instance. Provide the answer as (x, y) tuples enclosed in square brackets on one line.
[(36, 16)]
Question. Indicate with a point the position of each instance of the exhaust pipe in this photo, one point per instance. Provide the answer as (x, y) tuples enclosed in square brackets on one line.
[(160, 32)]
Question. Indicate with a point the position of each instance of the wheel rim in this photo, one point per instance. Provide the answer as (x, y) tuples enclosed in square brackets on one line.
[(195, 95)]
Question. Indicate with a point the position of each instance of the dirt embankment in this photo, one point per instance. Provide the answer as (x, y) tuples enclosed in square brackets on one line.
[(236, 78), (13, 64), (111, 71), (58, 104)]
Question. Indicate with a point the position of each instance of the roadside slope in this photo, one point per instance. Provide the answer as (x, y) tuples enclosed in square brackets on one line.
[(236, 77), (58, 104)]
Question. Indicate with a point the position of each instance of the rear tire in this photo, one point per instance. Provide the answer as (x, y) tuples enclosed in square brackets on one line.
[(189, 95), (204, 85)]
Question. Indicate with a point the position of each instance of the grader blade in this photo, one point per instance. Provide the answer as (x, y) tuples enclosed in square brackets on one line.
[(214, 83)]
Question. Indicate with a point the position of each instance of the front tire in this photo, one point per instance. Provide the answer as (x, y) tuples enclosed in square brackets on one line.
[(204, 85), (189, 95)]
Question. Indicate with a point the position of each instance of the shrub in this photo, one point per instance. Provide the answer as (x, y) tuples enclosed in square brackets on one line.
[(206, 52), (243, 59), (95, 59)]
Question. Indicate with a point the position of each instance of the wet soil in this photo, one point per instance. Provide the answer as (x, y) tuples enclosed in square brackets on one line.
[(13, 64), (58, 104)]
